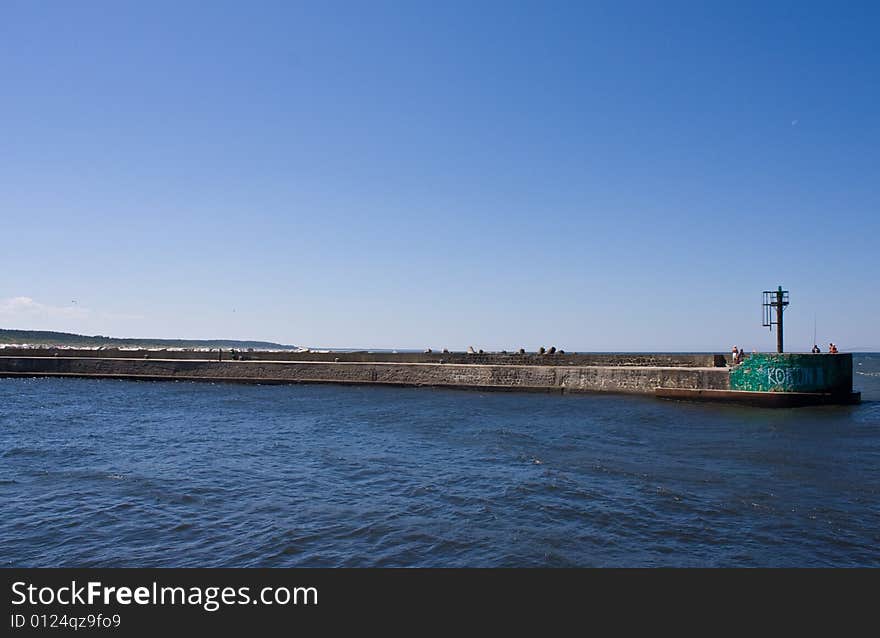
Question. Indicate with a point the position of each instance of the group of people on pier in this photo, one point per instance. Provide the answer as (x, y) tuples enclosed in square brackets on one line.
[(832, 349), (737, 353)]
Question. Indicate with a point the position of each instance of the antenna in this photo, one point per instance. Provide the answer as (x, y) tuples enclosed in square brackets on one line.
[(778, 300)]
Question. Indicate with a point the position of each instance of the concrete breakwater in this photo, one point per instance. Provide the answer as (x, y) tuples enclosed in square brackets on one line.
[(773, 380), (489, 358), (510, 376)]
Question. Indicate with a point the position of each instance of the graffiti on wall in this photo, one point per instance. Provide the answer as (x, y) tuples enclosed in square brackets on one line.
[(796, 377), (793, 373)]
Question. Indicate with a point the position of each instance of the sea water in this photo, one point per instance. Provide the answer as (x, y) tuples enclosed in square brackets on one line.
[(122, 473)]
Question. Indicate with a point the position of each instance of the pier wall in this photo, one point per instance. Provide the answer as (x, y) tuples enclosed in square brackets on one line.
[(625, 379), (494, 358)]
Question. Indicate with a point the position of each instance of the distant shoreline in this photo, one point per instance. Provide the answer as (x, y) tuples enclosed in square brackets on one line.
[(46, 338)]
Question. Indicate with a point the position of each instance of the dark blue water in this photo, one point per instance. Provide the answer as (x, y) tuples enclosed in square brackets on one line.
[(117, 473)]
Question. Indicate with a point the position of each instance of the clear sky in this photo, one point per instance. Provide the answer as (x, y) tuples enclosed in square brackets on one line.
[(609, 176)]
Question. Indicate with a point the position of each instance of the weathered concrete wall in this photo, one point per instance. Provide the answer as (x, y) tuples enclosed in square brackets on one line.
[(772, 372), (627, 379), (600, 359)]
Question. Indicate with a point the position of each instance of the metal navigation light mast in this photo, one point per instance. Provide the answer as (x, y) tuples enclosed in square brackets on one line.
[(777, 299)]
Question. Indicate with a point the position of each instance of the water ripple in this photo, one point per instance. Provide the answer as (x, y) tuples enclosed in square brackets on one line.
[(114, 473)]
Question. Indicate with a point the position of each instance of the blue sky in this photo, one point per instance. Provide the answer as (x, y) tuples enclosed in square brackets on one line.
[(609, 176)]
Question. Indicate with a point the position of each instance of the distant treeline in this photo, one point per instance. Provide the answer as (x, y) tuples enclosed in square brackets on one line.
[(48, 338)]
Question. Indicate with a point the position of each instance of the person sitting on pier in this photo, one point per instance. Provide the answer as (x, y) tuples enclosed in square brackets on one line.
[(832, 349), (816, 349)]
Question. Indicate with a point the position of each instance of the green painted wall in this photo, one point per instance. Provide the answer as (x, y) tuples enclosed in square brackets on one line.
[(772, 372)]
